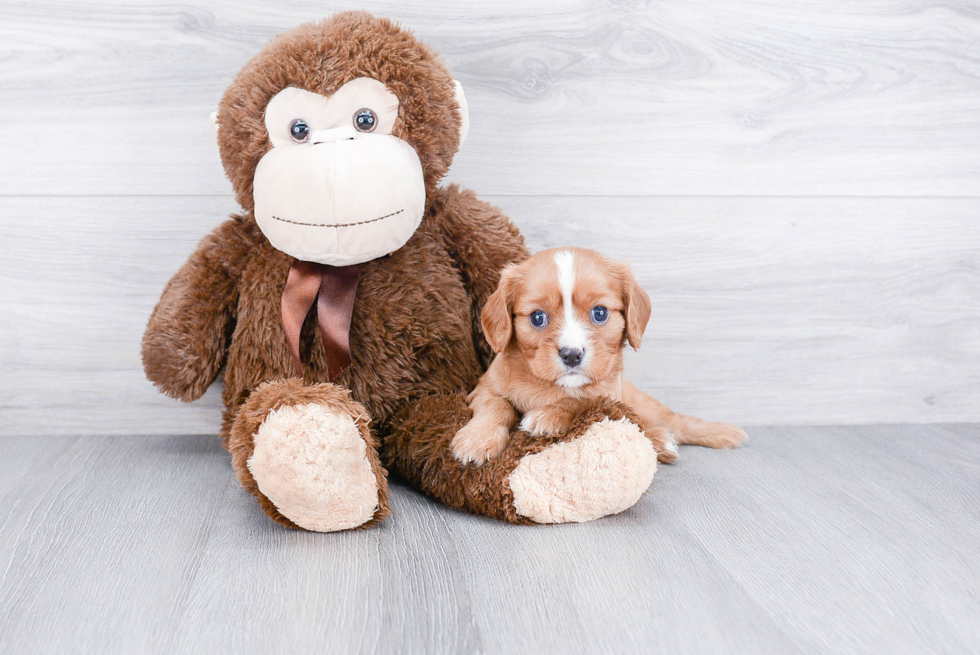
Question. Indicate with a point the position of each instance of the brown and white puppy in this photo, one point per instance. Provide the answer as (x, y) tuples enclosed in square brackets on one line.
[(558, 323)]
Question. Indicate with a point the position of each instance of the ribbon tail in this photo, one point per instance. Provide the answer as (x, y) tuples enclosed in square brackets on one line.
[(302, 288), (335, 305)]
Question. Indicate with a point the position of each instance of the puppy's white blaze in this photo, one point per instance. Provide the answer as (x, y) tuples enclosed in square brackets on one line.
[(573, 331)]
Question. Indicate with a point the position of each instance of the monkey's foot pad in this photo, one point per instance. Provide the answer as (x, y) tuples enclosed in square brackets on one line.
[(604, 471), (313, 465)]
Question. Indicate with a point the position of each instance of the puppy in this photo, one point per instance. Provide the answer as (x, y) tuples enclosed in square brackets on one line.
[(558, 323)]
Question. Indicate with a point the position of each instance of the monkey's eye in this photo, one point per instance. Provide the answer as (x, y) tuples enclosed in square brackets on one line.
[(599, 314), (538, 319), (299, 131), (365, 120)]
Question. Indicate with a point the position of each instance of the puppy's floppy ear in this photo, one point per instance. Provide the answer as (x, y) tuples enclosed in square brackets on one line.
[(636, 304), (497, 318)]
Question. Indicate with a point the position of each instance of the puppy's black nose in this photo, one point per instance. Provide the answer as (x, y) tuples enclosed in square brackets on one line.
[(571, 356)]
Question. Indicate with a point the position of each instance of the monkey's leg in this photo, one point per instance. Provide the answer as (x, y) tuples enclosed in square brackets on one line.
[(599, 465), (307, 454), (685, 429)]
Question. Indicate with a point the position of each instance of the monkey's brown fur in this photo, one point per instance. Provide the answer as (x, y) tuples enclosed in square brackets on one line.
[(418, 447), (415, 339)]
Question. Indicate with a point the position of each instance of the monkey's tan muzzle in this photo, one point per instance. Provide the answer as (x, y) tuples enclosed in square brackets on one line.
[(345, 198)]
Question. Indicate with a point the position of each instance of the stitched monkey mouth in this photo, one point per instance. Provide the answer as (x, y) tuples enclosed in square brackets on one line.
[(373, 220)]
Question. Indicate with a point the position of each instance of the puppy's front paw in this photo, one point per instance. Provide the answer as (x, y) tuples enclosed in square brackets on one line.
[(477, 442), (545, 421)]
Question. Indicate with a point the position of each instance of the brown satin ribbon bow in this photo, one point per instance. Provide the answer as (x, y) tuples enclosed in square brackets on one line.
[(333, 289)]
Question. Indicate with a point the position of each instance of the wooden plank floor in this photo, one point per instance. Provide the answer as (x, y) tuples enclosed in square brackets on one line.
[(808, 540)]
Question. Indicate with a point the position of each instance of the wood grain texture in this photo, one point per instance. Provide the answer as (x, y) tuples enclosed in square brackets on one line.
[(622, 98), (807, 540), (778, 300), (766, 310)]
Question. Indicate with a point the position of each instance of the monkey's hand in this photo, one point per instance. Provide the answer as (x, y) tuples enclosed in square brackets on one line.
[(186, 340)]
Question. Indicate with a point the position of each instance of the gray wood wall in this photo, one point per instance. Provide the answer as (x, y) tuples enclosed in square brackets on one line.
[(796, 184)]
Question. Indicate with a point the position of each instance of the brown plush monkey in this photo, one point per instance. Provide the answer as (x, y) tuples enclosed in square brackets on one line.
[(343, 303)]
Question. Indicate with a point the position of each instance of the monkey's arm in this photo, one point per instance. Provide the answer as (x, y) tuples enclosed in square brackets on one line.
[(481, 240), (186, 340)]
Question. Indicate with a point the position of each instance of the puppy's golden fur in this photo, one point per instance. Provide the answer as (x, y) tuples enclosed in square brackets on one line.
[(545, 371)]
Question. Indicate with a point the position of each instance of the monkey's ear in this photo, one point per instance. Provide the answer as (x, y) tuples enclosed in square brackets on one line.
[(214, 122), (464, 113), (497, 318)]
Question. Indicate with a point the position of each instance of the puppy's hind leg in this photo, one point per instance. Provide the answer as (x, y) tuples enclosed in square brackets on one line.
[(664, 442), (654, 421), (685, 429)]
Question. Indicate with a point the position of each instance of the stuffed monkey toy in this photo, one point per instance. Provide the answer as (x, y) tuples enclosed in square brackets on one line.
[(343, 303)]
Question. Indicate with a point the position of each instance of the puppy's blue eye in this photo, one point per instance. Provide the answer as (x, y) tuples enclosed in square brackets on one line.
[(539, 319), (599, 314)]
